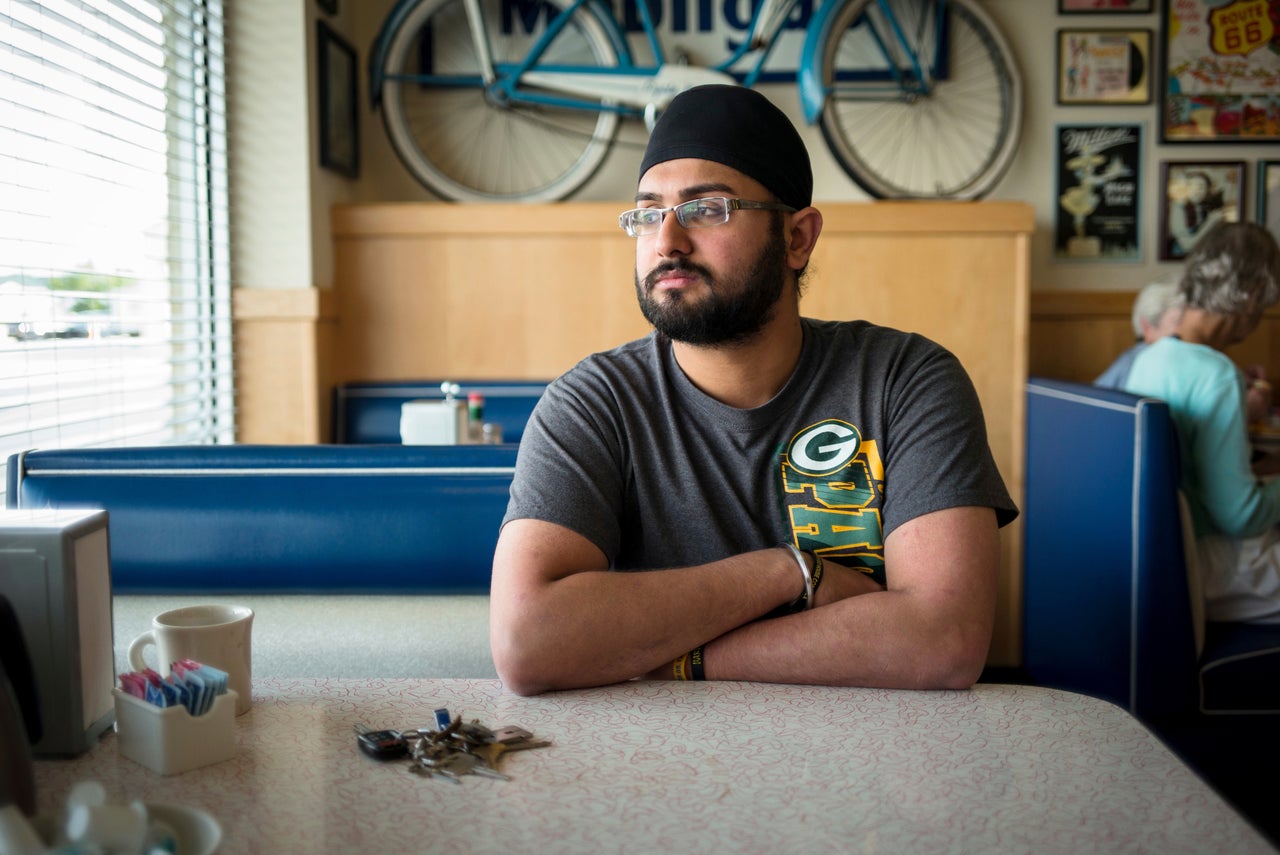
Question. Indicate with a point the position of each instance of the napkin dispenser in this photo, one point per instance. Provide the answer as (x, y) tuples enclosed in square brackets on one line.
[(427, 421), (55, 570), (19, 715)]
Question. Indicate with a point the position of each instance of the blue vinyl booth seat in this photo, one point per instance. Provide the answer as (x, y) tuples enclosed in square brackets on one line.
[(1111, 608), (283, 519), (369, 413)]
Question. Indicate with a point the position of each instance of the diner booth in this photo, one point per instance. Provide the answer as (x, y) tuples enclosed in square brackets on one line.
[(336, 505)]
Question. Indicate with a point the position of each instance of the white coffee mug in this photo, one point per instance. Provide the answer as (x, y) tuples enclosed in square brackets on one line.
[(213, 635)]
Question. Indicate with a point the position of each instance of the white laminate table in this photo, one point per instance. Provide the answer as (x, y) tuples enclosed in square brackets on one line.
[(681, 768)]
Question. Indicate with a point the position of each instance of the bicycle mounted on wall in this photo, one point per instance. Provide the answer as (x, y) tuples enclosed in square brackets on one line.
[(520, 100)]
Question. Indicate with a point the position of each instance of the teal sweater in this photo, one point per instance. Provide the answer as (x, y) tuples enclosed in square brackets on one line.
[(1206, 394)]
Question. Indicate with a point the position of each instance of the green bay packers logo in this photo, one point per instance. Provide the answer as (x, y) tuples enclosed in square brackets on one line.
[(824, 448), (830, 474)]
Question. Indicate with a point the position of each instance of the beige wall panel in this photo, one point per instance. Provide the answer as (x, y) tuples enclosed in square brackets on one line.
[(1075, 335), (509, 303), (1077, 348), (953, 290), (390, 325), (282, 380)]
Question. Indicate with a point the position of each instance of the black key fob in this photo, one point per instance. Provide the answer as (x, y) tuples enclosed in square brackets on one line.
[(382, 744)]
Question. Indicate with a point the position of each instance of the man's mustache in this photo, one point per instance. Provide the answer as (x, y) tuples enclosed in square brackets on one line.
[(679, 265)]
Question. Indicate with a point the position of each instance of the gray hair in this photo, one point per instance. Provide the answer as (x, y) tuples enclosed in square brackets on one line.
[(1152, 302), (1234, 267)]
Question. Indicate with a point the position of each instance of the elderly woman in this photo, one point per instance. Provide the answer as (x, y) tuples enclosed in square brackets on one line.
[(1229, 279), (1157, 311)]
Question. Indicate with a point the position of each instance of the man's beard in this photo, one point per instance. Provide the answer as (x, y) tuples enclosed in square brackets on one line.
[(731, 312)]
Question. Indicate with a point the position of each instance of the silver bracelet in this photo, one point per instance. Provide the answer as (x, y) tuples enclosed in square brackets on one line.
[(808, 576)]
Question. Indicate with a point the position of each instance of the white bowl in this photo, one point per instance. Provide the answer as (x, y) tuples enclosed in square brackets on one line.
[(195, 830)]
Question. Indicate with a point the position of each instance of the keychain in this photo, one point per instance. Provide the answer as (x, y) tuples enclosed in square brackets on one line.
[(380, 744)]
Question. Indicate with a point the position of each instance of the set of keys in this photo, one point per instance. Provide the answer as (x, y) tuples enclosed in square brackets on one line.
[(451, 749)]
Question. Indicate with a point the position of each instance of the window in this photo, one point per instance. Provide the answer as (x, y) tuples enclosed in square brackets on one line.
[(115, 299)]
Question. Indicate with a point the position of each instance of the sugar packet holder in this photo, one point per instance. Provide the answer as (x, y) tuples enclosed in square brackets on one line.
[(170, 740), (189, 683)]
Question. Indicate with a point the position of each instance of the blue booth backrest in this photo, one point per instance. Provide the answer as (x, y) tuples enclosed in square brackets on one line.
[(368, 413), (293, 519), (1107, 608)]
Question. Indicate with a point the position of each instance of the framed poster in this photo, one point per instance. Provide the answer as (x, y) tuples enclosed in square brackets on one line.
[(1104, 66), (1269, 196), (1103, 7), (1194, 197), (339, 119), (1099, 170), (1221, 80)]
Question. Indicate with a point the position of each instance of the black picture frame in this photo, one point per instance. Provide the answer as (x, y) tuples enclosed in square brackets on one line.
[(1104, 66), (1196, 195), (1268, 195), (1104, 7), (1098, 193), (1220, 76), (339, 102)]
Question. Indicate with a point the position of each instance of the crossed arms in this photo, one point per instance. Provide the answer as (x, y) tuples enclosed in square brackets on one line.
[(559, 619)]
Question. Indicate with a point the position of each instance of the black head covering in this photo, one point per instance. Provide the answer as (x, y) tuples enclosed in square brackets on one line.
[(740, 128)]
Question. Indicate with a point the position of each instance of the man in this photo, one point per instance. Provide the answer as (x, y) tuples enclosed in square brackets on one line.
[(665, 489)]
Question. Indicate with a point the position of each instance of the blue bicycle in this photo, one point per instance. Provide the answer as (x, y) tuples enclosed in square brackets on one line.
[(520, 100)]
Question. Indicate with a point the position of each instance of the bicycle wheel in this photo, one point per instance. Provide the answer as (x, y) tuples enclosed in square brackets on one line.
[(955, 139), (460, 140)]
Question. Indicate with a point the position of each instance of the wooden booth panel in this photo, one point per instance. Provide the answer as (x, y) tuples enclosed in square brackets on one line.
[(1075, 335), (941, 288), (479, 307), (524, 292), (283, 344)]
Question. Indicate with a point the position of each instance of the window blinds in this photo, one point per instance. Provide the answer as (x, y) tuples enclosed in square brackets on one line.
[(115, 299)]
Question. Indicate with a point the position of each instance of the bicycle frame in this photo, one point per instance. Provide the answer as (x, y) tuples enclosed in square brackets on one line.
[(814, 91), (632, 89)]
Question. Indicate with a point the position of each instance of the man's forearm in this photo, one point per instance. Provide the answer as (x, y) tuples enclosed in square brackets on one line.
[(558, 622), (931, 629), (597, 627), (880, 639)]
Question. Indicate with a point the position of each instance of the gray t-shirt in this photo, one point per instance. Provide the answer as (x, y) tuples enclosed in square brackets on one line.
[(874, 427)]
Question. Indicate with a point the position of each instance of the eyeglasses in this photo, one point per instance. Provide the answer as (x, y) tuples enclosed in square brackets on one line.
[(695, 214)]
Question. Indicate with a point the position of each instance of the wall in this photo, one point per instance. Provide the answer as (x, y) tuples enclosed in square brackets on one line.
[(282, 199), (282, 264), (1029, 25)]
